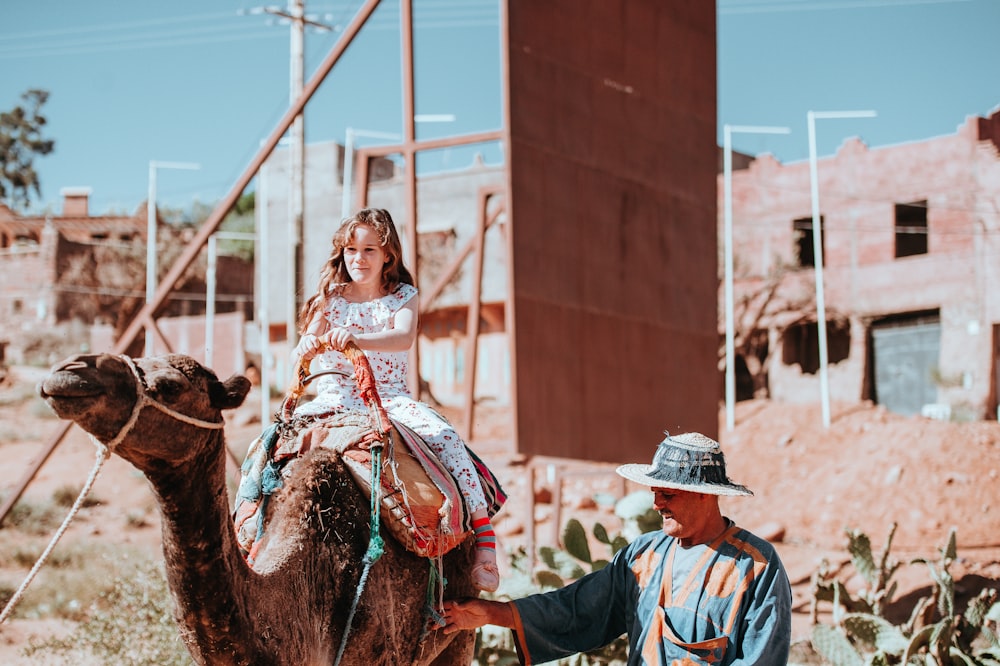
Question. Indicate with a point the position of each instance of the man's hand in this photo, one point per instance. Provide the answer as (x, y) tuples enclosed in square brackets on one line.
[(463, 614)]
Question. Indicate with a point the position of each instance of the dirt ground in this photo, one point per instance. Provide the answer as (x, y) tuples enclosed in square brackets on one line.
[(869, 469)]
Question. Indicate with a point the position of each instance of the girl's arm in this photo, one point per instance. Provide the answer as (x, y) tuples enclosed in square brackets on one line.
[(310, 342), (398, 338)]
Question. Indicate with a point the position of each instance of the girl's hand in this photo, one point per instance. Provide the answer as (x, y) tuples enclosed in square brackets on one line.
[(309, 345), (339, 337)]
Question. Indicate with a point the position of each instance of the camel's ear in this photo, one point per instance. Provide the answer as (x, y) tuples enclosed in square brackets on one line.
[(230, 393)]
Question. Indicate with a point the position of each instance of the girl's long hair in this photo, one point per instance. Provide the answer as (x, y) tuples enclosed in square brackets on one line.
[(334, 272)]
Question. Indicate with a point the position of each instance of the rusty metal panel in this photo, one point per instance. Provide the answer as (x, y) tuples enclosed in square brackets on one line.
[(612, 157)]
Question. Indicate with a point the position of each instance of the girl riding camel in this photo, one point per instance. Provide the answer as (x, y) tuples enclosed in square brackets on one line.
[(366, 296)]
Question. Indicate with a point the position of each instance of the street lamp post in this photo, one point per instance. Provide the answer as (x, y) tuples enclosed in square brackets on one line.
[(817, 233), (727, 134), (210, 286), (151, 233), (261, 289), (351, 134)]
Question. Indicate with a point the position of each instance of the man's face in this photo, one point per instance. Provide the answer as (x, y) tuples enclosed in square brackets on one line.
[(685, 513)]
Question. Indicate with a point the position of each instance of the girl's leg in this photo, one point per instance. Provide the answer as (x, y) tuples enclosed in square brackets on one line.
[(485, 574), (441, 437)]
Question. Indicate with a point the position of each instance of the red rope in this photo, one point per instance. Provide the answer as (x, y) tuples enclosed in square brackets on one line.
[(363, 376)]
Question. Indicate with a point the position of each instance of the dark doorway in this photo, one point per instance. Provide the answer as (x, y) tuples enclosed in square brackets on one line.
[(905, 352)]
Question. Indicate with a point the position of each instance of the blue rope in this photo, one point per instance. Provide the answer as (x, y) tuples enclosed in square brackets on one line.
[(376, 547)]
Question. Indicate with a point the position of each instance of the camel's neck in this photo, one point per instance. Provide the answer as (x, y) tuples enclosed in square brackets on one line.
[(204, 566)]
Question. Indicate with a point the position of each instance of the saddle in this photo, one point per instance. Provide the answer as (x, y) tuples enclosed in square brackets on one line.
[(422, 505)]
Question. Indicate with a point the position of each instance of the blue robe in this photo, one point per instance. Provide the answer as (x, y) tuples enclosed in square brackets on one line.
[(732, 607)]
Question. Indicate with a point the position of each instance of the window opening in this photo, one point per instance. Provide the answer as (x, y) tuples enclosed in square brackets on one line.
[(802, 233), (911, 229), (800, 344)]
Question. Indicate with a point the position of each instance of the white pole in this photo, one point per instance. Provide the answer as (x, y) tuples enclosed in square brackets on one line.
[(350, 138), (727, 243), (297, 167), (210, 286), (345, 204), (434, 117), (151, 281), (210, 301), (727, 235), (263, 298), (817, 232), (824, 386)]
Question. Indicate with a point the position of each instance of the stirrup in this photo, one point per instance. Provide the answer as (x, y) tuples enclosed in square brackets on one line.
[(486, 576)]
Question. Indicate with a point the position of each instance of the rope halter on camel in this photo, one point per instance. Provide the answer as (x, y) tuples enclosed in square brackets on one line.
[(104, 451)]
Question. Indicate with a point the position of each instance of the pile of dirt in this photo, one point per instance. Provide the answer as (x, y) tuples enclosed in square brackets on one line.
[(868, 469)]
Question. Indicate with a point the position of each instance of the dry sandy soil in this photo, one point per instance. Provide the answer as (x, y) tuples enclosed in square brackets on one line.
[(869, 469)]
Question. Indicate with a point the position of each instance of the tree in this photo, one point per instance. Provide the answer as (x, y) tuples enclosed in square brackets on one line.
[(240, 220), (775, 302), (20, 142)]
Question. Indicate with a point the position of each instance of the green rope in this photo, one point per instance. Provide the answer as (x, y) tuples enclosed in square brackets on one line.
[(375, 544), (434, 578), (376, 547)]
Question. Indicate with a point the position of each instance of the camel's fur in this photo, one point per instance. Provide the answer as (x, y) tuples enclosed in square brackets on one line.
[(293, 609)]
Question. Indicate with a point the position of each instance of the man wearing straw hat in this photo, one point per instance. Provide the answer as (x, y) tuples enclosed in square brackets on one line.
[(699, 591)]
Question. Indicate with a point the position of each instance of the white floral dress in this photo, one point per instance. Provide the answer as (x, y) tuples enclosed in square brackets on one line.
[(339, 391)]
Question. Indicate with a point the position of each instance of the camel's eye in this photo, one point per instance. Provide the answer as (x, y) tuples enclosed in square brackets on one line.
[(168, 388)]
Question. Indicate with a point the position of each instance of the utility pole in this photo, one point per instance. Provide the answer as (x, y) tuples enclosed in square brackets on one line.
[(295, 15)]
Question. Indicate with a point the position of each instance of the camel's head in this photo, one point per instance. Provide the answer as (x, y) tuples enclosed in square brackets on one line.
[(113, 396)]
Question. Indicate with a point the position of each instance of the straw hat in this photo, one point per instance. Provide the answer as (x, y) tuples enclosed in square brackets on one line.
[(691, 462)]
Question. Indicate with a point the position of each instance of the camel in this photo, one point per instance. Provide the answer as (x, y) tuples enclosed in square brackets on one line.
[(164, 416)]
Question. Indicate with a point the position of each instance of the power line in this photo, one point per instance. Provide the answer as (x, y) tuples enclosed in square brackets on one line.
[(136, 293), (131, 35), (798, 6), (128, 26)]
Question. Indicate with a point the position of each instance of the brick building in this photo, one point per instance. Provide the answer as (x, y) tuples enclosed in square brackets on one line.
[(62, 274), (32, 247), (911, 251)]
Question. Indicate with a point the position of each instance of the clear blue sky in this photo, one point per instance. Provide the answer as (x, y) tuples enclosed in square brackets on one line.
[(195, 81)]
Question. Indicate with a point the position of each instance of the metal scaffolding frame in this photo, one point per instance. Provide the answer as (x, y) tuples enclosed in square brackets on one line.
[(145, 319)]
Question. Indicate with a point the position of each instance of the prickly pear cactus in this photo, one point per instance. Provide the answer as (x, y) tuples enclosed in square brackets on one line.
[(574, 537), (941, 574), (565, 564), (877, 573), (561, 563), (936, 634), (875, 633), (835, 647)]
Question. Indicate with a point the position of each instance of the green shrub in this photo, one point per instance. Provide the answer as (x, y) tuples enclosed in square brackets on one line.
[(33, 517), (74, 577), (131, 623), (66, 496)]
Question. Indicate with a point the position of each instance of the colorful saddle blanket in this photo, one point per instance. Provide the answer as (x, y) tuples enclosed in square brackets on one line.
[(422, 505)]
